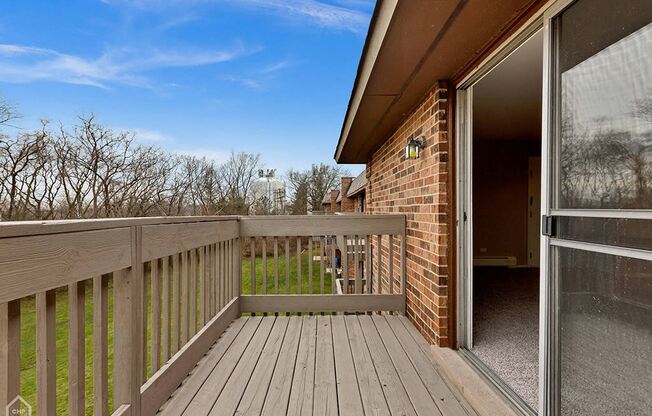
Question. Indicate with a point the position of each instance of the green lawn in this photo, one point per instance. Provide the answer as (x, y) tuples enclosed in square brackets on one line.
[(246, 275), (28, 350), (28, 328)]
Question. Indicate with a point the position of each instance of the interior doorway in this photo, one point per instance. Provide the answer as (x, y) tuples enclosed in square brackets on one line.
[(503, 188)]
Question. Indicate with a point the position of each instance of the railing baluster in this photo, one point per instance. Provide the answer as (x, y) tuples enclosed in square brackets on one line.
[(46, 352), (185, 307), (368, 272), (229, 274), (213, 281), (193, 292), (253, 266), (379, 243), (9, 352), (220, 277), (100, 345), (264, 250), (176, 305), (333, 265), (345, 265), (202, 286), (356, 264), (238, 267), (321, 264), (222, 290), (287, 265), (156, 316), (391, 264), (76, 348), (276, 265), (403, 265), (298, 265), (143, 300), (310, 265), (165, 336)]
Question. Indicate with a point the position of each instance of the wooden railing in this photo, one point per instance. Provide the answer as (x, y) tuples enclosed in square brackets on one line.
[(336, 252), (176, 285)]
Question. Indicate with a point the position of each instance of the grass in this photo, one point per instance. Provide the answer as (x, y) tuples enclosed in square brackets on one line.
[(246, 275), (28, 350), (28, 328)]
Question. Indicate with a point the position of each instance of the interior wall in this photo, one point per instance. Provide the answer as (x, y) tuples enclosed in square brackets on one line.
[(500, 197)]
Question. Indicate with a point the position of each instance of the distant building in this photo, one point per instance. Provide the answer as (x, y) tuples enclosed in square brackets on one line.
[(268, 193), (349, 197)]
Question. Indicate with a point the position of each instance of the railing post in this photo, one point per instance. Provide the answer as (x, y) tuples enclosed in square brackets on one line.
[(9, 352), (128, 337)]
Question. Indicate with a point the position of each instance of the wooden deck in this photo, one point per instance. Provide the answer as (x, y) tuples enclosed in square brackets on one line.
[(317, 365)]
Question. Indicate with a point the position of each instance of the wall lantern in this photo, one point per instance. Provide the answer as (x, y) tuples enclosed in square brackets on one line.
[(414, 147)]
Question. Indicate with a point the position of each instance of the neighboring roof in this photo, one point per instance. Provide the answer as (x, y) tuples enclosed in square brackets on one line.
[(358, 184), (409, 47), (327, 198), (339, 197)]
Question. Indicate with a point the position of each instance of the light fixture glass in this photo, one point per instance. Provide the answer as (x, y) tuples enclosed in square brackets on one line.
[(413, 148)]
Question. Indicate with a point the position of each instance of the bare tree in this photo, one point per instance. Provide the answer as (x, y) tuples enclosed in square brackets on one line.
[(7, 112), (237, 175), (17, 157), (91, 171), (310, 186)]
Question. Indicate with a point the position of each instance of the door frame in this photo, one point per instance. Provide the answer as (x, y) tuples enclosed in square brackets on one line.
[(549, 344), (464, 213), (549, 354)]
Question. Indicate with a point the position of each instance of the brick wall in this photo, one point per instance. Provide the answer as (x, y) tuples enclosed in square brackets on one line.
[(418, 188), (334, 206), (358, 203), (347, 203)]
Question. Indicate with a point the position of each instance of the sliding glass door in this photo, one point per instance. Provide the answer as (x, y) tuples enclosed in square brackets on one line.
[(597, 343)]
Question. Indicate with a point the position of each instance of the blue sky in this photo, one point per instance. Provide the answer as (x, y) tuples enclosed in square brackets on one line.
[(196, 76)]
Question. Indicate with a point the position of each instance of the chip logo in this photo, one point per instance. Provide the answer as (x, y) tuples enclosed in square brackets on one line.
[(19, 407)]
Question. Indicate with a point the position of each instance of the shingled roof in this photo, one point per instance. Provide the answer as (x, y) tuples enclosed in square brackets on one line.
[(358, 184), (327, 198)]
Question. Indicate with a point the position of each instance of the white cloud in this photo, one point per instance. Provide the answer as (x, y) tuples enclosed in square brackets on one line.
[(275, 67), (126, 66), (151, 136), (349, 15), (323, 14), (247, 82), (260, 78)]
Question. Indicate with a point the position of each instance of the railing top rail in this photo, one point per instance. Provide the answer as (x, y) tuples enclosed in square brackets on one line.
[(28, 228), (318, 225)]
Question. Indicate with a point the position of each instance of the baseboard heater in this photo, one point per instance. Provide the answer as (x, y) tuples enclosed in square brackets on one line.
[(501, 261)]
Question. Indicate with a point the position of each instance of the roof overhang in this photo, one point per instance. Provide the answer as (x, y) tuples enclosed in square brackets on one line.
[(410, 46)]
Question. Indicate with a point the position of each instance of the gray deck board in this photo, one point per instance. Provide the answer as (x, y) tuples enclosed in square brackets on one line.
[(317, 365), (417, 391), (228, 401), (205, 398), (440, 392), (325, 395), (301, 393), (182, 398), (348, 392), (373, 398), (253, 399), (278, 395), (397, 398)]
